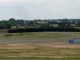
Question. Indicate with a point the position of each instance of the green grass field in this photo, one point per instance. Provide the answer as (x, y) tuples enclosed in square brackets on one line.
[(40, 52), (47, 35), (39, 59), (9, 51)]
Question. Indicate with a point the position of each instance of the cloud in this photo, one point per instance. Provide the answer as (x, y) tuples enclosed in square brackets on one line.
[(4, 1), (44, 9)]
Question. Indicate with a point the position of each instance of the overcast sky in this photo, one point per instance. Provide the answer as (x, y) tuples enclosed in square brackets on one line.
[(39, 9)]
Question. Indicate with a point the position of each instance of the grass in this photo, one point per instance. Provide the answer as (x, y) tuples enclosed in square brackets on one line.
[(41, 52), (39, 59), (4, 31), (46, 35)]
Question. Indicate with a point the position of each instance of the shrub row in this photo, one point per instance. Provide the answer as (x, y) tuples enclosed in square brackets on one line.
[(44, 29)]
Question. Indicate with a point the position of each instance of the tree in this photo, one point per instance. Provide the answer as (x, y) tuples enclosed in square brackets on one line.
[(77, 23), (64, 23), (12, 21), (8, 25), (5, 25), (18, 26)]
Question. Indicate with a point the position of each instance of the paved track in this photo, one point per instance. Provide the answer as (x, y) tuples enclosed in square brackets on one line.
[(30, 40)]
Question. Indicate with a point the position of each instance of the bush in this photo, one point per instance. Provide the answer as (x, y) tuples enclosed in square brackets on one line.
[(60, 29)]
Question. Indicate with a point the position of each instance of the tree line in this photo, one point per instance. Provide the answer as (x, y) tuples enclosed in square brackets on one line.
[(63, 23)]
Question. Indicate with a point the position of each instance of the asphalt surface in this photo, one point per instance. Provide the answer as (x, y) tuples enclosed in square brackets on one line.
[(31, 41)]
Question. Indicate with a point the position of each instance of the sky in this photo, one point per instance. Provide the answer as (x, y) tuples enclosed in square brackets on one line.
[(39, 9)]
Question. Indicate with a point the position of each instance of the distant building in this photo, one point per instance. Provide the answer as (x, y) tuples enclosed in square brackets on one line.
[(42, 22)]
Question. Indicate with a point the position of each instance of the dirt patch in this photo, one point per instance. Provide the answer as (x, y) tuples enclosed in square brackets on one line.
[(17, 46), (63, 45), (26, 46)]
